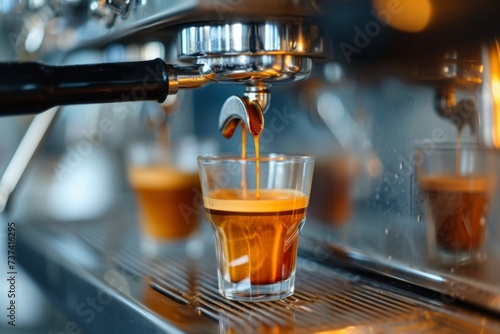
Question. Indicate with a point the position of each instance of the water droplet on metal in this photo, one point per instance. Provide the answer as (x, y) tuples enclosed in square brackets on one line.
[(419, 217), (401, 165), (386, 231)]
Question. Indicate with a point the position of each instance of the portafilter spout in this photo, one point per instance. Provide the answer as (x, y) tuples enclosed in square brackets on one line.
[(461, 113), (256, 55), (455, 73), (248, 109)]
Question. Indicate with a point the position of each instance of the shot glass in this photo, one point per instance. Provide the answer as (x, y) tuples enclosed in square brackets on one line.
[(256, 209), (457, 185), (166, 185), (332, 188)]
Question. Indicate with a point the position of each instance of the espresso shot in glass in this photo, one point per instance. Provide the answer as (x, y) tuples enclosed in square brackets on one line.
[(166, 185), (332, 188), (457, 185), (256, 208)]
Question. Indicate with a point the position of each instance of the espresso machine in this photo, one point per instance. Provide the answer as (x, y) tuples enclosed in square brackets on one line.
[(362, 83)]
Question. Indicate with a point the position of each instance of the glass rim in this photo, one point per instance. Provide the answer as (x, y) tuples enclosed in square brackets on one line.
[(267, 157)]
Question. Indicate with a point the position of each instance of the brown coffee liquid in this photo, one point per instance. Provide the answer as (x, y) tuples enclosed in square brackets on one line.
[(458, 205), (258, 237), (243, 155), (257, 167), (257, 162), (332, 188), (165, 197)]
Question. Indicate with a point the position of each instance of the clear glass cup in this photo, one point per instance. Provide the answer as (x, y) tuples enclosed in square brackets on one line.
[(166, 185), (256, 208), (457, 185), (332, 189)]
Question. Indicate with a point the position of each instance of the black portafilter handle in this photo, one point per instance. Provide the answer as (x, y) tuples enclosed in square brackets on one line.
[(30, 88)]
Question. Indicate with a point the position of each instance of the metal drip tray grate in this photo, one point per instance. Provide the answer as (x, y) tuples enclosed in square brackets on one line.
[(182, 294)]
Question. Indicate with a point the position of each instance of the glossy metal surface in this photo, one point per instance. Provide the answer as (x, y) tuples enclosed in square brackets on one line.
[(474, 71), (294, 38), (255, 69), (236, 110), (186, 77), (120, 7), (253, 52), (98, 21), (90, 260), (400, 254), (462, 113)]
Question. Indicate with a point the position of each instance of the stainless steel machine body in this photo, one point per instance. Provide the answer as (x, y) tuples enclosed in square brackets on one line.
[(344, 78)]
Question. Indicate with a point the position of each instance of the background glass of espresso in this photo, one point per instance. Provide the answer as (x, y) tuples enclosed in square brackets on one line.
[(166, 187), (458, 186), (256, 237), (332, 188)]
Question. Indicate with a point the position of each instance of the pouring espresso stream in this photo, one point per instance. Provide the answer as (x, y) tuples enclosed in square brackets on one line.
[(250, 115)]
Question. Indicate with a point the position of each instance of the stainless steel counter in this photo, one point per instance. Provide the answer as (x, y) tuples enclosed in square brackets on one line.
[(93, 270)]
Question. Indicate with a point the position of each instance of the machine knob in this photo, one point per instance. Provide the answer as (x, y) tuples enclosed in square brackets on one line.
[(102, 13), (120, 7)]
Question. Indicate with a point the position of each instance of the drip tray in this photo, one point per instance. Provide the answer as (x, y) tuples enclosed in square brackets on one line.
[(94, 272)]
